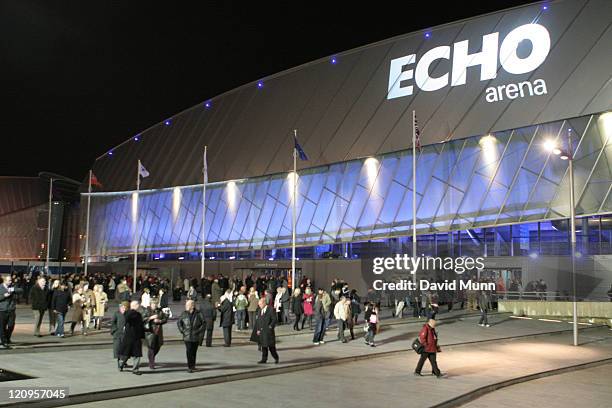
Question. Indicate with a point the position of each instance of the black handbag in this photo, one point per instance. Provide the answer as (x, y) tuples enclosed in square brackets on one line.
[(417, 346)]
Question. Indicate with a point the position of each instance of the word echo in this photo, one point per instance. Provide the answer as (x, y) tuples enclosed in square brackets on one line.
[(402, 78)]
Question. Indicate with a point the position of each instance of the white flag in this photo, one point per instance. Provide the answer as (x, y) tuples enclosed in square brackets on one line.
[(205, 170), (142, 171)]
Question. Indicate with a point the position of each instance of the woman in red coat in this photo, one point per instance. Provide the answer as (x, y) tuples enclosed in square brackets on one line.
[(308, 299), (429, 339)]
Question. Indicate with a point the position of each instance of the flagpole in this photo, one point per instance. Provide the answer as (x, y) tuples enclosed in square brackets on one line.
[(49, 225), (204, 181), (414, 197), (87, 223), (136, 223), (293, 210)]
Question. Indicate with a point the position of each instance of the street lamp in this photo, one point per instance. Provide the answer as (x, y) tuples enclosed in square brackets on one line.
[(568, 155)]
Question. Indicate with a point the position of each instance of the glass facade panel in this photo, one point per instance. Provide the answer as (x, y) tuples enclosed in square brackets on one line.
[(471, 185)]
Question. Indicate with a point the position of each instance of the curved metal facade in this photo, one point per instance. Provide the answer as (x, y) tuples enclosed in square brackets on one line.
[(497, 179), (343, 112)]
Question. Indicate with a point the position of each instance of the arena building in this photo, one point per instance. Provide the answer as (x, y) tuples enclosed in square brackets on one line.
[(491, 94)]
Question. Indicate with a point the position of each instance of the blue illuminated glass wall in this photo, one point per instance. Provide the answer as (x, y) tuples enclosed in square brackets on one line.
[(479, 182)]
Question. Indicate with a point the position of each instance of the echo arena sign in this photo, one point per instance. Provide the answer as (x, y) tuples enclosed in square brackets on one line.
[(405, 72)]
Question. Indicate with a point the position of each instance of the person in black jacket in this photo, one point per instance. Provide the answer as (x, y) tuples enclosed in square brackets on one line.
[(191, 326), (8, 299), (134, 332), (117, 330), (297, 307), (226, 308), (38, 299), (52, 315), (263, 331), (60, 304), (154, 318), (209, 315)]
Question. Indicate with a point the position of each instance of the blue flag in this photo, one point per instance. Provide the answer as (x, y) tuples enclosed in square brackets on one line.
[(300, 151)]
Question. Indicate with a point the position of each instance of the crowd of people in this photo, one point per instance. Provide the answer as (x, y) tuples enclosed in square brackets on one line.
[(257, 304)]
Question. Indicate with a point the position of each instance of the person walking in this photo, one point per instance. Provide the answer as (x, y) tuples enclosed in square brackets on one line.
[(241, 303), (52, 315), (263, 332), (252, 307), (101, 299), (154, 320), (340, 315), (429, 339), (38, 300), (60, 304), (191, 326), (117, 331), (76, 315), (226, 308), (297, 308), (483, 305), (371, 318), (8, 299), (209, 315), (134, 332), (320, 316)]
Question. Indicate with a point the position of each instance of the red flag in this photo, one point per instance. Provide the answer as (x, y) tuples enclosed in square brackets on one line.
[(94, 181)]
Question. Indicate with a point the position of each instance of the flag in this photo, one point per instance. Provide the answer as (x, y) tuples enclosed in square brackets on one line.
[(94, 181), (142, 171), (205, 169), (417, 134), (300, 151)]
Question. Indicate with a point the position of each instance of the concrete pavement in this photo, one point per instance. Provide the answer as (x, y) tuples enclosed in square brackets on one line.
[(469, 365)]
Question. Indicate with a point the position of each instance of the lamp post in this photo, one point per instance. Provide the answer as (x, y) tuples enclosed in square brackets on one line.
[(569, 156)]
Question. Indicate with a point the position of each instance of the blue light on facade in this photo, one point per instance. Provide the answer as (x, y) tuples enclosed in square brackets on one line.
[(260, 84), (167, 122)]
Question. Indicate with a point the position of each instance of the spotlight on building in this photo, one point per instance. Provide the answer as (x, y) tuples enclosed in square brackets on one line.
[(550, 145)]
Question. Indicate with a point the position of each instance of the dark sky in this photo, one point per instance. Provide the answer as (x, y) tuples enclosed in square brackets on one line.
[(78, 77)]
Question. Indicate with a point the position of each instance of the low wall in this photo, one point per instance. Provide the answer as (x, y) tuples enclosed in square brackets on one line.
[(600, 310)]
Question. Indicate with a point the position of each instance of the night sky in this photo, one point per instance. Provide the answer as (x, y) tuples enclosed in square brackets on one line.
[(78, 77)]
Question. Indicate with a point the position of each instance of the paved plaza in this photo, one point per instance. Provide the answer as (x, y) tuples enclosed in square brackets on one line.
[(473, 357)]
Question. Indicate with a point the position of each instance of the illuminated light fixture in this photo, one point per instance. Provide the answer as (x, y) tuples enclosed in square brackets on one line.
[(556, 151), (427, 35), (564, 156), (271, 258), (211, 257), (110, 153), (605, 124), (207, 104), (371, 168), (488, 144), (545, 7), (550, 145), (232, 257), (231, 193), (334, 60), (167, 122), (176, 202), (136, 138), (533, 255), (181, 258), (260, 84)]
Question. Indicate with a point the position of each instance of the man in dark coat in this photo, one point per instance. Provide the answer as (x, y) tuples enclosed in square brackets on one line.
[(8, 299), (263, 331), (191, 326), (117, 326), (38, 299), (226, 308), (134, 332), (59, 304), (209, 314)]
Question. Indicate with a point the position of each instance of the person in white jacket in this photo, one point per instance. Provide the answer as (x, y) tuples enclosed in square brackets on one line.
[(340, 315)]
